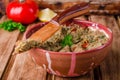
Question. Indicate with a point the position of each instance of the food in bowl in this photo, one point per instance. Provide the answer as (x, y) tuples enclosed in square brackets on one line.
[(69, 38), (83, 38), (78, 62), (67, 50)]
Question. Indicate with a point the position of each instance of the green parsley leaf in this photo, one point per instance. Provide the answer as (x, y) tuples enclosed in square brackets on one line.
[(11, 26), (67, 40)]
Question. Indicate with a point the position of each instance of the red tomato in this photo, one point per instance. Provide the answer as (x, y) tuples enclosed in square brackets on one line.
[(24, 12)]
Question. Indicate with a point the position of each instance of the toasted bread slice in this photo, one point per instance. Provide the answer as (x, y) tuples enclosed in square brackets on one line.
[(42, 35), (45, 32)]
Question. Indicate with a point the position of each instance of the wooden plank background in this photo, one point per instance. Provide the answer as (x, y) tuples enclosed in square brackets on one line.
[(7, 42), (22, 66)]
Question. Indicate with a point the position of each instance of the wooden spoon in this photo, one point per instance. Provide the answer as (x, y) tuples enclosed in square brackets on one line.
[(54, 25)]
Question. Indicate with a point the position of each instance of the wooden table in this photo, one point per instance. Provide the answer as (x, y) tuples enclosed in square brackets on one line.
[(22, 66)]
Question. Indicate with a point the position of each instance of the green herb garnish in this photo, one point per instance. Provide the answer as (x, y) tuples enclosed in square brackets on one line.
[(11, 26), (101, 37), (67, 40)]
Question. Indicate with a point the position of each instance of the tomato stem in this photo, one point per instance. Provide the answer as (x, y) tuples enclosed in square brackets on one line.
[(21, 1)]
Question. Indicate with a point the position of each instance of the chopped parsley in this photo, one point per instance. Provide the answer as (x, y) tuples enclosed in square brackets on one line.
[(67, 41), (9, 25)]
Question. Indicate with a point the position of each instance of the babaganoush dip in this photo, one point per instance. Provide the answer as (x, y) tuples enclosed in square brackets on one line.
[(69, 38)]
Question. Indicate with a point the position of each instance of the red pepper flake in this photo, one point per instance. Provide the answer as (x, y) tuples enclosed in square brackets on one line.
[(85, 44), (74, 29)]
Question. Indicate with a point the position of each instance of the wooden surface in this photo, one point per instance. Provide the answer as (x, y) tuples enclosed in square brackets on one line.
[(23, 67), (7, 42)]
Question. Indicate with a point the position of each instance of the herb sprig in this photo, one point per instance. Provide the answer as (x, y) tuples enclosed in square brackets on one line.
[(9, 25), (67, 40)]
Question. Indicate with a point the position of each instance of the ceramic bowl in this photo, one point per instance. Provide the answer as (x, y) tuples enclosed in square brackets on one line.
[(70, 64)]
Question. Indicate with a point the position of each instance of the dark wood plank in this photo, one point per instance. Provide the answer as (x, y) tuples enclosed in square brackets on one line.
[(110, 67), (7, 42)]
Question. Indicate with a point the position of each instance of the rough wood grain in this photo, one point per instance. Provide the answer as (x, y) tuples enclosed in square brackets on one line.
[(118, 21), (7, 42), (11, 62), (24, 68), (110, 68)]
